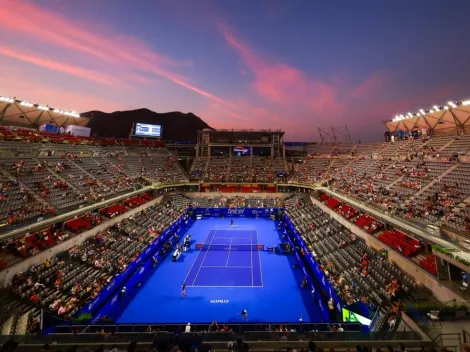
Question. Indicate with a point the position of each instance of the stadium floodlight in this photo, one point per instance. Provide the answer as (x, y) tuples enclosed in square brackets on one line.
[(431, 110), (436, 107), (421, 111), (418, 114), (25, 103), (446, 107), (7, 99), (466, 102), (410, 114), (452, 104)]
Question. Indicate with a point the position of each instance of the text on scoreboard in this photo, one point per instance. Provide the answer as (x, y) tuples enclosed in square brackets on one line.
[(148, 130)]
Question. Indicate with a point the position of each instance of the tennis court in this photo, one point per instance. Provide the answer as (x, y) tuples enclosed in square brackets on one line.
[(225, 272), (227, 258)]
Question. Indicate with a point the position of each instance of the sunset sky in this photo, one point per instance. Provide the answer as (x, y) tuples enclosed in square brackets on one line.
[(290, 64)]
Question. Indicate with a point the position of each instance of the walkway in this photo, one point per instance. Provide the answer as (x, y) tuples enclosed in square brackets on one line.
[(399, 223)]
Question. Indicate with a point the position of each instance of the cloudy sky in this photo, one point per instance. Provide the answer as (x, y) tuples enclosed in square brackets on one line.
[(291, 64)]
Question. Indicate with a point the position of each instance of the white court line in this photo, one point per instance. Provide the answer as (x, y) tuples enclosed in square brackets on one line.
[(234, 238), (228, 267), (202, 259), (251, 259), (259, 259), (229, 250), (191, 268), (230, 286)]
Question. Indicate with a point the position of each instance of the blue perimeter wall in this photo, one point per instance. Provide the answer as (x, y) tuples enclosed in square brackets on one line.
[(138, 271), (109, 305), (316, 269)]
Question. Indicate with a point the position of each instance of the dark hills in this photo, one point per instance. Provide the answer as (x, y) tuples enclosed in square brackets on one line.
[(176, 125)]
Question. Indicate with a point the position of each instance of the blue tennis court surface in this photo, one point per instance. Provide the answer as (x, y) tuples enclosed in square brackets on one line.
[(226, 274), (230, 258)]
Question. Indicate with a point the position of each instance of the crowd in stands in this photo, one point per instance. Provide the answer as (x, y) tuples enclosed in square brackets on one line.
[(312, 170), (67, 281), (197, 344), (25, 246), (222, 201), (394, 238), (217, 170), (419, 181), (238, 169), (356, 271)]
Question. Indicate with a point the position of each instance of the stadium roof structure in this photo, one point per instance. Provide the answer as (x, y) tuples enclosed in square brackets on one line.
[(22, 113), (450, 118)]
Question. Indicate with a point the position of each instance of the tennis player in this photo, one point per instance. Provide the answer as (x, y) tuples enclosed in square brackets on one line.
[(244, 314), (231, 222), (183, 291)]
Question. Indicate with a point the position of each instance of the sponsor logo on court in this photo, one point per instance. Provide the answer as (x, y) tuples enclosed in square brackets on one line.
[(236, 211), (92, 304), (110, 285), (219, 301)]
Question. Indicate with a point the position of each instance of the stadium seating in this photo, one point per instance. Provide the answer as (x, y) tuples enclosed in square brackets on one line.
[(67, 281), (311, 170), (425, 182), (217, 170), (356, 270)]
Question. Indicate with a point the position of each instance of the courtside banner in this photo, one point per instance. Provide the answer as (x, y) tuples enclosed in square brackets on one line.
[(321, 277), (116, 283), (236, 212), (309, 279)]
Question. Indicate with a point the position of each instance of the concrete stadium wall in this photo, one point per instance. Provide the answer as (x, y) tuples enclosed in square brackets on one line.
[(420, 276), (7, 275)]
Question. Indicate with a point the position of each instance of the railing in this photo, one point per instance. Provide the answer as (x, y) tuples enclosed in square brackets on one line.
[(71, 214), (225, 336), (451, 341), (465, 336)]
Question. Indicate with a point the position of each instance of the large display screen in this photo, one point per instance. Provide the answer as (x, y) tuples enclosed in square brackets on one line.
[(240, 150), (147, 130)]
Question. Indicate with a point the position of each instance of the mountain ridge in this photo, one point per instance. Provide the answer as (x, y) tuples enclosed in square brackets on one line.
[(176, 125)]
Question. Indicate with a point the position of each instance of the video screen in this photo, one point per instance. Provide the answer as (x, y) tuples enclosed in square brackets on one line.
[(147, 130), (241, 151)]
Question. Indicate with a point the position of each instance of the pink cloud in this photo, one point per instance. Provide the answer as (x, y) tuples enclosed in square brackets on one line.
[(76, 71), (282, 84), (56, 97), (101, 43), (371, 85)]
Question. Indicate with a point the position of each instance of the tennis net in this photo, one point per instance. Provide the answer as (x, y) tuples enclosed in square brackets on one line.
[(229, 247)]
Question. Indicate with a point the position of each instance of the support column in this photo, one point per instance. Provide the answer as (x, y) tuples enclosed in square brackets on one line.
[(284, 151)]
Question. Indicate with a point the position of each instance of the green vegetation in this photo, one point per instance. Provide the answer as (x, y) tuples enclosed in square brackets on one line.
[(83, 318), (450, 254), (429, 306)]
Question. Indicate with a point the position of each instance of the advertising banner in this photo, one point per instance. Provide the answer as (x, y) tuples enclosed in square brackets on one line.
[(236, 212), (115, 284), (78, 131), (48, 127), (320, 276)]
